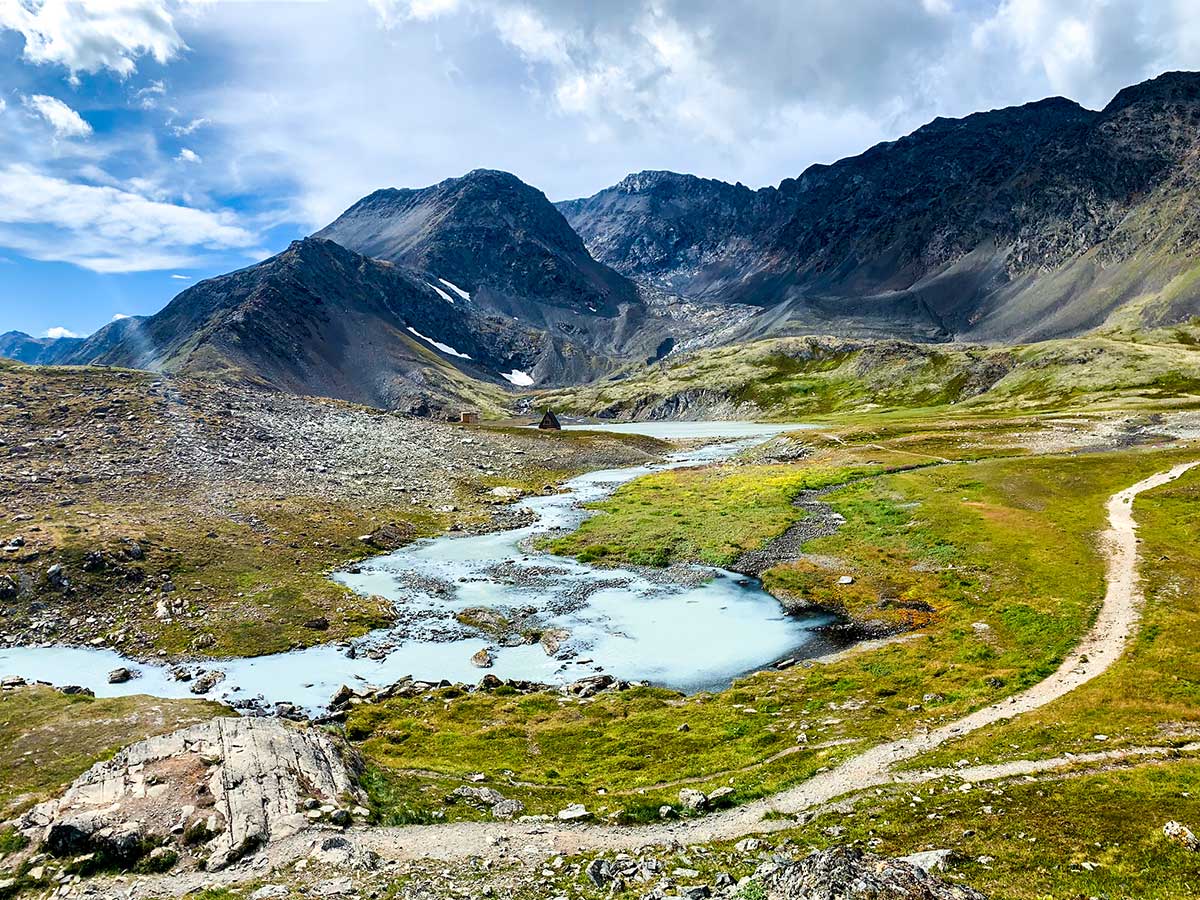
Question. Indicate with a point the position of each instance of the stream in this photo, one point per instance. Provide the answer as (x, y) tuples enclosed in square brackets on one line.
[(690, 628)]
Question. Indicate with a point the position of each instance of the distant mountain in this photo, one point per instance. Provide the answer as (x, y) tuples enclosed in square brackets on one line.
[(491, 235), (320, 319), (498, 245), (1018, 224), (1007, 226), (36, 351)]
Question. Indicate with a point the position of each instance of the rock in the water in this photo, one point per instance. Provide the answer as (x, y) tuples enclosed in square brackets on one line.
[(120, 676), (846, 873), (482, 659), (1181, 834), (552, 640), (252, 775), (206, 681)]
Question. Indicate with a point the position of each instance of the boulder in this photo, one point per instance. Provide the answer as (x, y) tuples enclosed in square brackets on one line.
[(693, 800), (120, 675), (552, 640), (206, 681), (1181, 834), (508, 809), (576, 812), (482, 659), (930, 860), (846, 873), (247, 777)]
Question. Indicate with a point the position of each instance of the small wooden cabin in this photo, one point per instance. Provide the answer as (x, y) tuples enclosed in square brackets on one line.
[(549, 422), (469, 418)]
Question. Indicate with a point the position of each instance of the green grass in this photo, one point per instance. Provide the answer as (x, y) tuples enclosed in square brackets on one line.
[(1151, 696), (47, 739), (697, 515), (1003, 551), (791, 379)]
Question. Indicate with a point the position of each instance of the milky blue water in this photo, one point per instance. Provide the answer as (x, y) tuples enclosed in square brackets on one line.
[(693, 633)]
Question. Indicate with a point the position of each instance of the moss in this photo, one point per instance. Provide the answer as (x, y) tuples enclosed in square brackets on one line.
[(699, 515)]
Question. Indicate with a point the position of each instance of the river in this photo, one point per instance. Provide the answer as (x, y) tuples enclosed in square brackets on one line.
[(691, 633)]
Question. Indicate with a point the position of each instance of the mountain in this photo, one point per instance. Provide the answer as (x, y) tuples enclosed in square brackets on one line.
[(500, 246), (320, 319), (1017, 224), (36, 351)]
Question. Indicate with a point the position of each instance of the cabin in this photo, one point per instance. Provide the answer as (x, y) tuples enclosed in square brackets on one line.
[(549, 422), (469, 418)]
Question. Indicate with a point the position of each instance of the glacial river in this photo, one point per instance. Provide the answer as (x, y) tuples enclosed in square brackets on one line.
[(693, 633)]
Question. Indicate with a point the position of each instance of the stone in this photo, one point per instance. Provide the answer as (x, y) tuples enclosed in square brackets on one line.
[(693, 800), (848, 873), (599, 872), (320, 623), (482, 659), (846, 579), (269, 892), (230, 766), (719, 796), (206, 681), (340, 818), (930, 860), (1181, 834), (335, 887), (576, 812), (508, 809), (120, 675), (552, 640)]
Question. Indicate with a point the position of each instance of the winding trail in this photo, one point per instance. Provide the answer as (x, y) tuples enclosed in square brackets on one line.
[(1115, 625)]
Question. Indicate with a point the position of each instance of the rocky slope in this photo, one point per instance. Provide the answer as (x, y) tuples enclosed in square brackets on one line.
[(319, 319), (1017, 224)]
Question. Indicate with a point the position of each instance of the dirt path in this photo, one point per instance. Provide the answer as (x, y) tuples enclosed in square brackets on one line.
[(1101, 647)]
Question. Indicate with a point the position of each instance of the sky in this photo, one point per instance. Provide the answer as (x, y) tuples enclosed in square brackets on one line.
[(148, 144)]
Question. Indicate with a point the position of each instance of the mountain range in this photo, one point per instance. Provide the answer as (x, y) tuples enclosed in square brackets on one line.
[(1015, 225)]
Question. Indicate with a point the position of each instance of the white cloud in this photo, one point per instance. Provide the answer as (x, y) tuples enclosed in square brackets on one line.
[(104, 228), (3, 104), (190, 127), (90, 35), (64, 120), (187, 156), (179, 277), (59, 332)]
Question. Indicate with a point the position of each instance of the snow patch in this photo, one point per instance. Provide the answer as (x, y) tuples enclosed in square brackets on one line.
[(441, 293), (445, 348), (517, 377), (456, 289)]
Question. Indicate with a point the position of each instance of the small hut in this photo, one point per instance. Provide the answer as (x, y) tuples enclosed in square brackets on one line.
[(550, 422), (469, 418)]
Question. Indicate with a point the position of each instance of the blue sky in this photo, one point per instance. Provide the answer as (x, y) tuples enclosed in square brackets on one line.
[(147, 144)]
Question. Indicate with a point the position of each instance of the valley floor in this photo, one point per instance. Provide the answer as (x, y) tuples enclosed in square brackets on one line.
[(1029, 703)]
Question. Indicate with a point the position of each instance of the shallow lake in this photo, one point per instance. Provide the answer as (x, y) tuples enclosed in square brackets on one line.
[(693, 632)]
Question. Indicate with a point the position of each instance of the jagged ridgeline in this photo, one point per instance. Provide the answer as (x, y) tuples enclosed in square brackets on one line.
[(1039, 222)]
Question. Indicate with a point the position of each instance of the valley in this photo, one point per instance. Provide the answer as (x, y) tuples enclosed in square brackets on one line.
[(853, 558)]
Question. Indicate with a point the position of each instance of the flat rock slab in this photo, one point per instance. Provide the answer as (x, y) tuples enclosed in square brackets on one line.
[(230, 784)]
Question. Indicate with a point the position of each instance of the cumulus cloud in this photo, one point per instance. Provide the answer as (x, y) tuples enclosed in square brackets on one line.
[(64, 120), (187, 156), (117, 317), (59, 332), (106, 229), (87, 36)]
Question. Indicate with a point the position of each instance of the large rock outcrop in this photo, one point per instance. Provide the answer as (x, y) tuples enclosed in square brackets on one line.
[(216, 792), (844, 873)]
